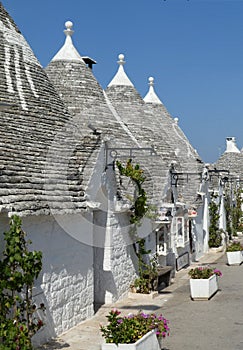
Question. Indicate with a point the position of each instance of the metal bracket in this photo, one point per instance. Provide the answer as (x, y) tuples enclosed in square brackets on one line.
[(113, 153), (186, 176)]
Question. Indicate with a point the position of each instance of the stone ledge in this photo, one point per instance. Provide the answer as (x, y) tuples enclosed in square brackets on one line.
[(137, 296)]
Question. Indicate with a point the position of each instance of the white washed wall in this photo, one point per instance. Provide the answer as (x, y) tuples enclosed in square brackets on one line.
[(123, 259), (119, 260)]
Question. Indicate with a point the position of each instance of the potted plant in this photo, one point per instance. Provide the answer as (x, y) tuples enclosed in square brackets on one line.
[(234, 252), (203, 282), (140, 331), (147, 272)]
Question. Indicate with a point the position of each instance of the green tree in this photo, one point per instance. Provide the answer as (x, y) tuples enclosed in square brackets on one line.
[(236, 212), (18, 270)]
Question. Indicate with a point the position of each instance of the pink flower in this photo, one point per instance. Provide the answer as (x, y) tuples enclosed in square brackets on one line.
[(115, 312), (217, 272)]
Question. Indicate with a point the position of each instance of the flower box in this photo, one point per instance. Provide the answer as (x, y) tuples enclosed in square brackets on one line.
[(140, 331), (234, 258), (203, 289), (148, 341), (217, 249)]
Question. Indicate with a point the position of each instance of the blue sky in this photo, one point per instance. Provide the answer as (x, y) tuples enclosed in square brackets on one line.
[(192, 48)]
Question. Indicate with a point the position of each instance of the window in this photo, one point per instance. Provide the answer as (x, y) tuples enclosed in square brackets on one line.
[(162, 238)]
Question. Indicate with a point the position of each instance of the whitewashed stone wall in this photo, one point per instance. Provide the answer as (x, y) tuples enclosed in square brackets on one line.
[(119, 260), (123, 260)]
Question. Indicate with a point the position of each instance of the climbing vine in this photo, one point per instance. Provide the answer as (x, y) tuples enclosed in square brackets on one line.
[(146, 271), (136, 174), (215, 238), (234, 213)]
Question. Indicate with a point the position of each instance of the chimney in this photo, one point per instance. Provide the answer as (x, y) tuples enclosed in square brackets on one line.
[(231, 146)]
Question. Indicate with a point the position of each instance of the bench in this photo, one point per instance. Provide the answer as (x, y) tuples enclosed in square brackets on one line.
[(162, 278)]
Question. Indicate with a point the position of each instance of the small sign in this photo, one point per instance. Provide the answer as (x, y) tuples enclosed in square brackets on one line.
[(182, 261), (192, 213), (164, 214)]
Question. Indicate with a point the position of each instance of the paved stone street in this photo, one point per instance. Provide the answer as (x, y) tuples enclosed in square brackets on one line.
[(216, 324)]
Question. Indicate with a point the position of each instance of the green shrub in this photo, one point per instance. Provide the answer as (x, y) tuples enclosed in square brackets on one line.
[(234, 247), (18, 270)]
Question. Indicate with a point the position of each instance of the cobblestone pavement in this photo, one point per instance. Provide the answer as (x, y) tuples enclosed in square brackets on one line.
[(216, 324)]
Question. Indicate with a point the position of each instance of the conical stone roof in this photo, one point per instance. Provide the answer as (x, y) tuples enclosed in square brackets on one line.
[(38, 136), (86, 100), (81, 92), (141, 120), (188, 163), (231, 159), (130, 106)]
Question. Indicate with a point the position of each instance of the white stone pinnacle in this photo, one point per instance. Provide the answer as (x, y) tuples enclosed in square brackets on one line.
[(151, 81), (68, 52), (121, 59), (151, 96), (120, 77), (68, 30)]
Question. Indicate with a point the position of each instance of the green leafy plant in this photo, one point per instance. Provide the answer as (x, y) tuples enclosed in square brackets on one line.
[(136, 174), (129, 329), (18, 270), (215, 234), (203, 272), (234, 247), (227, 212), (146, 271), (234, 213)]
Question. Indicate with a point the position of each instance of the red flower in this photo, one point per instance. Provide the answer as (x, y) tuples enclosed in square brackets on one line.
[(40, 323)]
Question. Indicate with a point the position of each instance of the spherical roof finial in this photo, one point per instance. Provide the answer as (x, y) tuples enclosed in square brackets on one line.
[(69, 26), (121, 59), (151, 81)]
